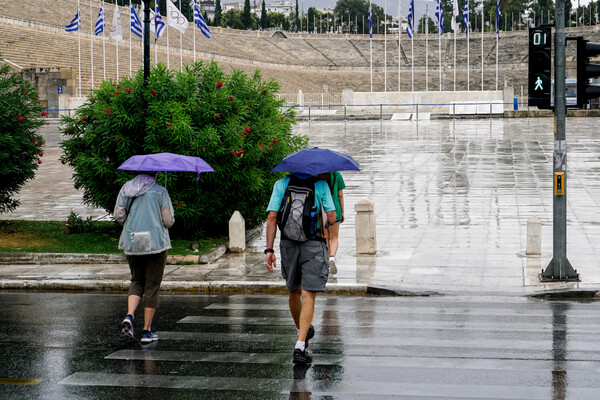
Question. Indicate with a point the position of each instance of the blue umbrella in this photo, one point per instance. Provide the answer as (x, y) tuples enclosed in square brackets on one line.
[(316, 161)]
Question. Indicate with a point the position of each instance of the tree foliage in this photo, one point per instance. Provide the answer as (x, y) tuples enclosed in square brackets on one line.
[(233, 122), (21, 148)]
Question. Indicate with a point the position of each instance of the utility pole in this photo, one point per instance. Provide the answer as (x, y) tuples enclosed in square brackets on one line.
[(559, 268)]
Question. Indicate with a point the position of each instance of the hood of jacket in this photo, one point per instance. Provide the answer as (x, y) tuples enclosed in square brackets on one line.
[(138, 185)]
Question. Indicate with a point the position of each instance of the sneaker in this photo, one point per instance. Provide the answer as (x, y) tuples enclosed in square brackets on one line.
[(127, 327), (302, 357), (309, 335), (332, 265), (149, 336)]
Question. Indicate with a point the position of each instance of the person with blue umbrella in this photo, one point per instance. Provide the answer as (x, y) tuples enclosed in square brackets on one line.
[(301, 206)]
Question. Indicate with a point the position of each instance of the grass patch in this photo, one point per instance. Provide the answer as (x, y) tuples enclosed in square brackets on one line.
[(49, 237)]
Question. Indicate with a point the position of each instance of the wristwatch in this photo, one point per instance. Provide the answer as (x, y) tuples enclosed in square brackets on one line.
[(269, 251)]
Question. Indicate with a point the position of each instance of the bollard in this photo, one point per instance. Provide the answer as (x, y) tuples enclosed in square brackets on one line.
[(366, 238), (237, 233), (534, 236), (516, 104)]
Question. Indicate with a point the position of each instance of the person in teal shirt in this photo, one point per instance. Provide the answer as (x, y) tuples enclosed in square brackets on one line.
[(303, 263), (337, 186)]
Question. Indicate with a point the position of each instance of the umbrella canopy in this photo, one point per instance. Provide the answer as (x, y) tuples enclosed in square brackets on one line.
[(167, 162), (316, 161)]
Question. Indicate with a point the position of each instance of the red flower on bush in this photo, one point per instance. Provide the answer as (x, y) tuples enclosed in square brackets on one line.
[(66, 232), (118, 138), (219, 84), (117, 93), (62, 161), (260, 145), (179, 204), (230, 98), (170, 126), (270, 148), (201, 147), (247, 107), (153, 92), (118, 86), (216, 115), (42, 154), (39, 161), (84, 118), (265, 91), (281, 119), (275, 140), (20, 119), (47, 123), (44, 113), (107, 111), (247, 129), (19, 113), (35, 140)]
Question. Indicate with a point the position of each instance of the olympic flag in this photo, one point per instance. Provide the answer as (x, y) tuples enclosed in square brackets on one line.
[(175, 18)]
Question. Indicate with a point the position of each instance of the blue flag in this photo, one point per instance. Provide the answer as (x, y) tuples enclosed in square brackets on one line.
[(439, 14), (411, 19), (159, 25), (75, 23), (370, 19), (200, 22), (100, 21), (466, 17), (136, 25), (498, 17)]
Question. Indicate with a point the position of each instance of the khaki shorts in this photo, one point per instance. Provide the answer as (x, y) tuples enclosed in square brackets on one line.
[(146, 276), (304, 264)]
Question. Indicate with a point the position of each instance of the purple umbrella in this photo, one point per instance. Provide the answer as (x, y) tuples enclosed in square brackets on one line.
[(316, 161), (167, 162)]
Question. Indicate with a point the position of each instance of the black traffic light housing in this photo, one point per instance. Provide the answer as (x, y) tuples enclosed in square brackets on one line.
[(540, 66), (585, 71)]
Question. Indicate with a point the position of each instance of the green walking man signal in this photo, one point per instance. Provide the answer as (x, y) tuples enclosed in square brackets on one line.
[(540, 65), (538, 84)]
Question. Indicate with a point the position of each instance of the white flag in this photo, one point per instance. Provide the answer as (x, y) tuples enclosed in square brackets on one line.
[(175, 18), (454, 24), (116, 30)]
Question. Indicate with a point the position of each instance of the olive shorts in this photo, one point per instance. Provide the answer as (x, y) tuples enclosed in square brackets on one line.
[(304, 264), (146, 276)]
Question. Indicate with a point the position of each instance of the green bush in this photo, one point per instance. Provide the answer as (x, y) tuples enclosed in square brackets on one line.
[(21, 148), (233, 122), (76, 224)]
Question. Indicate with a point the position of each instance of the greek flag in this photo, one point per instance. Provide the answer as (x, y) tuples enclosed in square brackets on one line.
[(159, 25), (411, 19), (75, 23), (200, 22), (453, 23), (498, 13), (439, 15), (100, 21), (370, 19), (136, 25), (466, 17)]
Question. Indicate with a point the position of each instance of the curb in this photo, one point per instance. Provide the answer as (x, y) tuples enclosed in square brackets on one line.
[(192, 287)]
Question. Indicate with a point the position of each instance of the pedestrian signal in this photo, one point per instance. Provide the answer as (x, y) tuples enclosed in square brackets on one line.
[(585, 71), (540, 66)]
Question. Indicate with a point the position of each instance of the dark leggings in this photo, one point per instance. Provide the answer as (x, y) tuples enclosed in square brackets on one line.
[(146, 276)]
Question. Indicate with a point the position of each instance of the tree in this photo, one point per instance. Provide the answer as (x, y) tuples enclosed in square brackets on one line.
[(297, 18), (246, 16), (311, 19), (278, 20), (234, 122), (264, 21), (232, 19), (218, 12), (21, 148)]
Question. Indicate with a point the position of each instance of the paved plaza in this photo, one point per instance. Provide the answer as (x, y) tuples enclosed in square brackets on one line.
[(452, 199)]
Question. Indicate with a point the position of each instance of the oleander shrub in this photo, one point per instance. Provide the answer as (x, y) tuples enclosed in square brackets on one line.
[(232, 121), (21, 148)]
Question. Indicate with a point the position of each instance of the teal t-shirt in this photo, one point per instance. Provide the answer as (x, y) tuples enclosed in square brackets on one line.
[(337, 185), (322, 195)]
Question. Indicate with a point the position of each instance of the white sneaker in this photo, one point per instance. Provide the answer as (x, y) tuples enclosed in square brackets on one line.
[(332, 265)]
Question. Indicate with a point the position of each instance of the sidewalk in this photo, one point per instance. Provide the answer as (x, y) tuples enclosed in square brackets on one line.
[(452, 199)]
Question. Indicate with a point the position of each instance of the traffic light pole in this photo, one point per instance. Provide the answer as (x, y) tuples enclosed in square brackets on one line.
[(560, 268)]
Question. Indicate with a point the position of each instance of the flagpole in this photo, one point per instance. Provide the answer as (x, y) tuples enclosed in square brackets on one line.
[(370, 43), (168, 45), (468, 57), (180, 45), (440, 20), (194, 14), (130, 68), (92, 40), (384, 44), (104, 41), (497, 34), (399, 42), (482, 20), (79, 44), (427, 47), (412, 51), (454, 61)]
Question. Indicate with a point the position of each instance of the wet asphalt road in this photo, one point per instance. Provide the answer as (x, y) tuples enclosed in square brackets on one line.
[(66, 346)]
